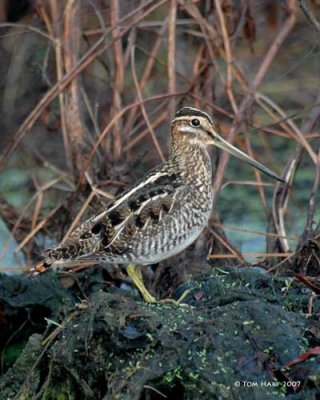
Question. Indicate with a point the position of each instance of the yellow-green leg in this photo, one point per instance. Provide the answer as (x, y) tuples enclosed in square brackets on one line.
[(135, 274)]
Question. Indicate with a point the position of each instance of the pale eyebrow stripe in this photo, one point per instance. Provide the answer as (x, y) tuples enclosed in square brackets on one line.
[(192, 112), (191, 118)]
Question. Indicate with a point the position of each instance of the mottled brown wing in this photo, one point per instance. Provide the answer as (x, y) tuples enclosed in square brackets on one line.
[(142, 210), (111, 232)]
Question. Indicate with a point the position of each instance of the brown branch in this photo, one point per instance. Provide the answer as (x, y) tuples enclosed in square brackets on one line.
[(245, 255), (281, 193), (119, 115), (162, 117), (54, 26), (118, 76), (311, 17), (249, 98), (257, 174), (229, 58), (76, 129), (145, 75), (98, 48), (286, 123), (308, 231), (143, 109), (172, 19)]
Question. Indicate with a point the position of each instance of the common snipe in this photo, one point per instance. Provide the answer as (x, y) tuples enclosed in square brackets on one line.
[(161, 214)]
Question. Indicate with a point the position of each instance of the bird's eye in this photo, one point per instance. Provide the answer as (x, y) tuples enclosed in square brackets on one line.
[(195, 122)]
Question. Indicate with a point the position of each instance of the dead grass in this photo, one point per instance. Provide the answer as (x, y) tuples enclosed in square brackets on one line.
[(120, 70)]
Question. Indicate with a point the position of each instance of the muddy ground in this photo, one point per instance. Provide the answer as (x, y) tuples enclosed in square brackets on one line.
[(233, 339)]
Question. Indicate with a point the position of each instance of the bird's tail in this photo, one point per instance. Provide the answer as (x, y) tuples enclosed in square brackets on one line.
[(65, 258)]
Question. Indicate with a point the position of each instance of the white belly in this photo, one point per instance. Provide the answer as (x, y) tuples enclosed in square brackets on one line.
[(176, 249)]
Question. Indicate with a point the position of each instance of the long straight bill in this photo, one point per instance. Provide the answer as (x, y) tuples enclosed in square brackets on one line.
[(224, 145)]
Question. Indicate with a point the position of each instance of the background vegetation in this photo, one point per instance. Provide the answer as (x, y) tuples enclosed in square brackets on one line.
[(88, 89), (87, 93)]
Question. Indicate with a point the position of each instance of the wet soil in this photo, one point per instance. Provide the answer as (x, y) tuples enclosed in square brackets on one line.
[(233, 339)]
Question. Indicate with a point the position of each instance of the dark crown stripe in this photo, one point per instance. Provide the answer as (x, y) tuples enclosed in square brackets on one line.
[(192, 112)]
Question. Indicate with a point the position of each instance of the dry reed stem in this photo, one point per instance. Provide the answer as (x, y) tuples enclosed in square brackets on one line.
[(294, 132), (95, 192), (158, 121), (249, 98), (281, 198), (83, 63), (23, 212), (307, 127), (282, 263), (140, 123), (273, 131), (76, 128), (172, 18), (143, 109), (260, 233), (146, 74), (91, 114), (234, 252), (243, 182), (77, 218), (107, 128), (220, 46), (118, 77), (257, 173), (37, 210), (54, 27), (36, 229), (309, 14), (240, 78), (281, 194), (28, 28), (228, 53), (258, 255), (196, 71), (237, 72), (131, 41), (314, 196)]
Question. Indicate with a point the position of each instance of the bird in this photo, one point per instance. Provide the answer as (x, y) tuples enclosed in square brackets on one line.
[(161, 214)]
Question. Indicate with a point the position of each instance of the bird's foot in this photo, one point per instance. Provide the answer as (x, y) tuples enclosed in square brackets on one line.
[(178, 302), (135, 274)]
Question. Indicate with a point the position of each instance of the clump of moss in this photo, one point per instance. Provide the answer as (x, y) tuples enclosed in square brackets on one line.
[(118, 347)]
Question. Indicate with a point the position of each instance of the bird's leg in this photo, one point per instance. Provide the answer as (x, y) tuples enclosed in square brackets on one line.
[(182, 297), (134, 272)]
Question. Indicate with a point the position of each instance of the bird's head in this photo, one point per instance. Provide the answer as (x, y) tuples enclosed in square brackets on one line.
[(193, 126), (196, 128)]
